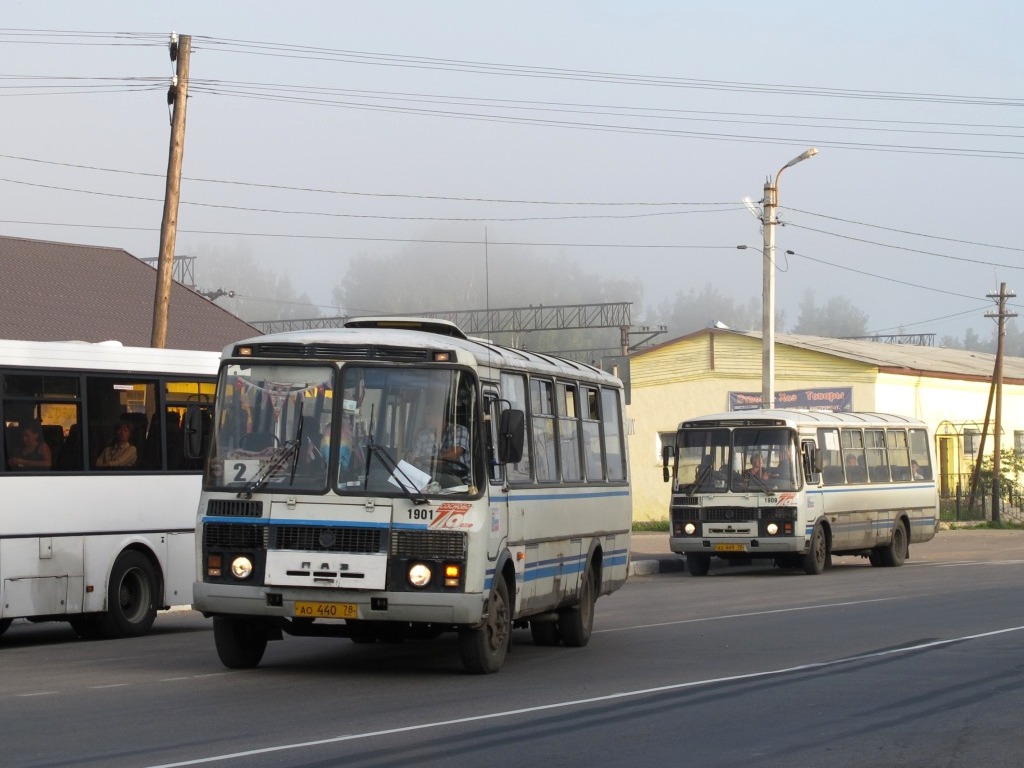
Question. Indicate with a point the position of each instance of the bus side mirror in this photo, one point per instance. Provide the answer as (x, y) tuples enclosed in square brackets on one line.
[(668, 452), (195, 432), (511, 436)]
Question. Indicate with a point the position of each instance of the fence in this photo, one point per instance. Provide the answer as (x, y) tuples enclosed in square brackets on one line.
[(953, 503)]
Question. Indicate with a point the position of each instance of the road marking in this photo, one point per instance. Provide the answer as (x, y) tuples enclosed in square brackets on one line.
[(38, 693), (583, 702), (747, 615), (111, 685), (979, 562)]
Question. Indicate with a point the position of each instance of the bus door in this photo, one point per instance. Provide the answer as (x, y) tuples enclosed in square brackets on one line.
[(811, 465), (497, 491)]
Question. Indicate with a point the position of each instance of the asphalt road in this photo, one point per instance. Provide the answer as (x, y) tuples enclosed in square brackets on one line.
[(914, 666)]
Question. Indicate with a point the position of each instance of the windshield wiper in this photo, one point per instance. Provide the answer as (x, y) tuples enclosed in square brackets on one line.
[(389, 463), (279, 458)]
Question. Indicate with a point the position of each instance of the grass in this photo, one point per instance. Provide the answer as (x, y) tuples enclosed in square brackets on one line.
[(1002, 525), (650, 526)]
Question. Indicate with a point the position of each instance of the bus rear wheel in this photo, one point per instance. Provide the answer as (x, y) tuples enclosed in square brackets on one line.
[(484, 648), (240, 642), (577, 622), (895, 554), (5, 624), (545, 633), (131, 597)]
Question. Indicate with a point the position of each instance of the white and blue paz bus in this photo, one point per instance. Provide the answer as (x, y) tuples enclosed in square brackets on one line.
[(395, 478), (799, 486)]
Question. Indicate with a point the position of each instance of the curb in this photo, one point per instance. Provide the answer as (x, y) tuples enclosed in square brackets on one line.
[(651, 566)]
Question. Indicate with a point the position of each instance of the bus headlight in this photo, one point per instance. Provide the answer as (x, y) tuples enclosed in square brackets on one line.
[(772, 529), (419, 575), (241, 567), (689, 529)]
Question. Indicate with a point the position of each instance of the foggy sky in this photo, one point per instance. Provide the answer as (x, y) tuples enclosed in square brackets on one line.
[(909, 209)]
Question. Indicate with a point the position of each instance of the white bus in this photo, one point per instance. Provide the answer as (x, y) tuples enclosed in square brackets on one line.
[(327, 511), (798, 487), (97, 533)]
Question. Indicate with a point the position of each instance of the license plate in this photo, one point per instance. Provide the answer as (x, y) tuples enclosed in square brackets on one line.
[(730, 548), (311, 610)]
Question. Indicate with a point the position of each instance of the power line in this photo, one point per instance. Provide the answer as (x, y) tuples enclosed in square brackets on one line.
[(906, 231), (492, 68), (904, 248)]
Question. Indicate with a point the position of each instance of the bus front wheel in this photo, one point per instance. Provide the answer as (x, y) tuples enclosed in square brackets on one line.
[(816, 559), (240, 642), (698, 565), (484, 648)]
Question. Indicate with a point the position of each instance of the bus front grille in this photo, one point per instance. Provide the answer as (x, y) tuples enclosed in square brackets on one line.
[(234, 536), (320, 538), (234, 508), (433, 545)]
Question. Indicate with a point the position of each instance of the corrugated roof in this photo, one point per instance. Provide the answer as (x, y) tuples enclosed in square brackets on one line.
[(63, 291), (907, 359)]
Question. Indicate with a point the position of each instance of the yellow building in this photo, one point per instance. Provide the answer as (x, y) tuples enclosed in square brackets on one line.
[(716, 370)]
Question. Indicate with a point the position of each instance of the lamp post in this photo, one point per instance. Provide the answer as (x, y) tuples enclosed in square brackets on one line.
[(769, 220)]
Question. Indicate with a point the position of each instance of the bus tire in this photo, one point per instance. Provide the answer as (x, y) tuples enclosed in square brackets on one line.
[(698, 565), (816, 559), (240, 642), (894, 555), (5, 624), (545, 633), (484, 648), (87, 626), (131, 597), (577, 622)]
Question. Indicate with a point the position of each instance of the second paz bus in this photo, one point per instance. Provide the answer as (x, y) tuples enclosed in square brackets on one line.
[(799, 486), (395, 478)]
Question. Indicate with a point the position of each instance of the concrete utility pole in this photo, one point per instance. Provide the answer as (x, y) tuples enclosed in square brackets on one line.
[(181, 48), (997, 383), (769, 220)]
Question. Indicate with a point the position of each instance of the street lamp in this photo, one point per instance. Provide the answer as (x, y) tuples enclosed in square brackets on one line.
[(769, 220)]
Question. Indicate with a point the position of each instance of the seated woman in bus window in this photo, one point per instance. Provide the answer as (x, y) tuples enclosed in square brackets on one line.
[(33, 453), (120, 452)]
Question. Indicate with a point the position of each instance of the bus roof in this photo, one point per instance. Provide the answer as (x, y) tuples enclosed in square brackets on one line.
[(106, 356), (797, 417), (411, 333)]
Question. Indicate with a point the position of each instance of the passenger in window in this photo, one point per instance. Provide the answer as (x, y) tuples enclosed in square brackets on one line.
[(120, 452), (33, 453), (915, 470)]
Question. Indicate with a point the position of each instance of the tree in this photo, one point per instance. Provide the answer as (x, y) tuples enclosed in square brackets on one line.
[(693, 310), (259, 293), (436, 278), (838, 318)]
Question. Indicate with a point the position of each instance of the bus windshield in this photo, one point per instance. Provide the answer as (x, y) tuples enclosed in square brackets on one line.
[(274, 422), (393, 430), (741, 460), (406, 430)]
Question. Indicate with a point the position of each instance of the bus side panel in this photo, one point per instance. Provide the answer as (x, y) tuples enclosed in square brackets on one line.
[(41, 576)]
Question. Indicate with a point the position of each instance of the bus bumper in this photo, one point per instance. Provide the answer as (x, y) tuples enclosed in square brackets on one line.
[(278, 602)]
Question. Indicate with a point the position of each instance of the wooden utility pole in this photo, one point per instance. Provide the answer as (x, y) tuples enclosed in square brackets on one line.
[(997, 383), (181, 48)]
